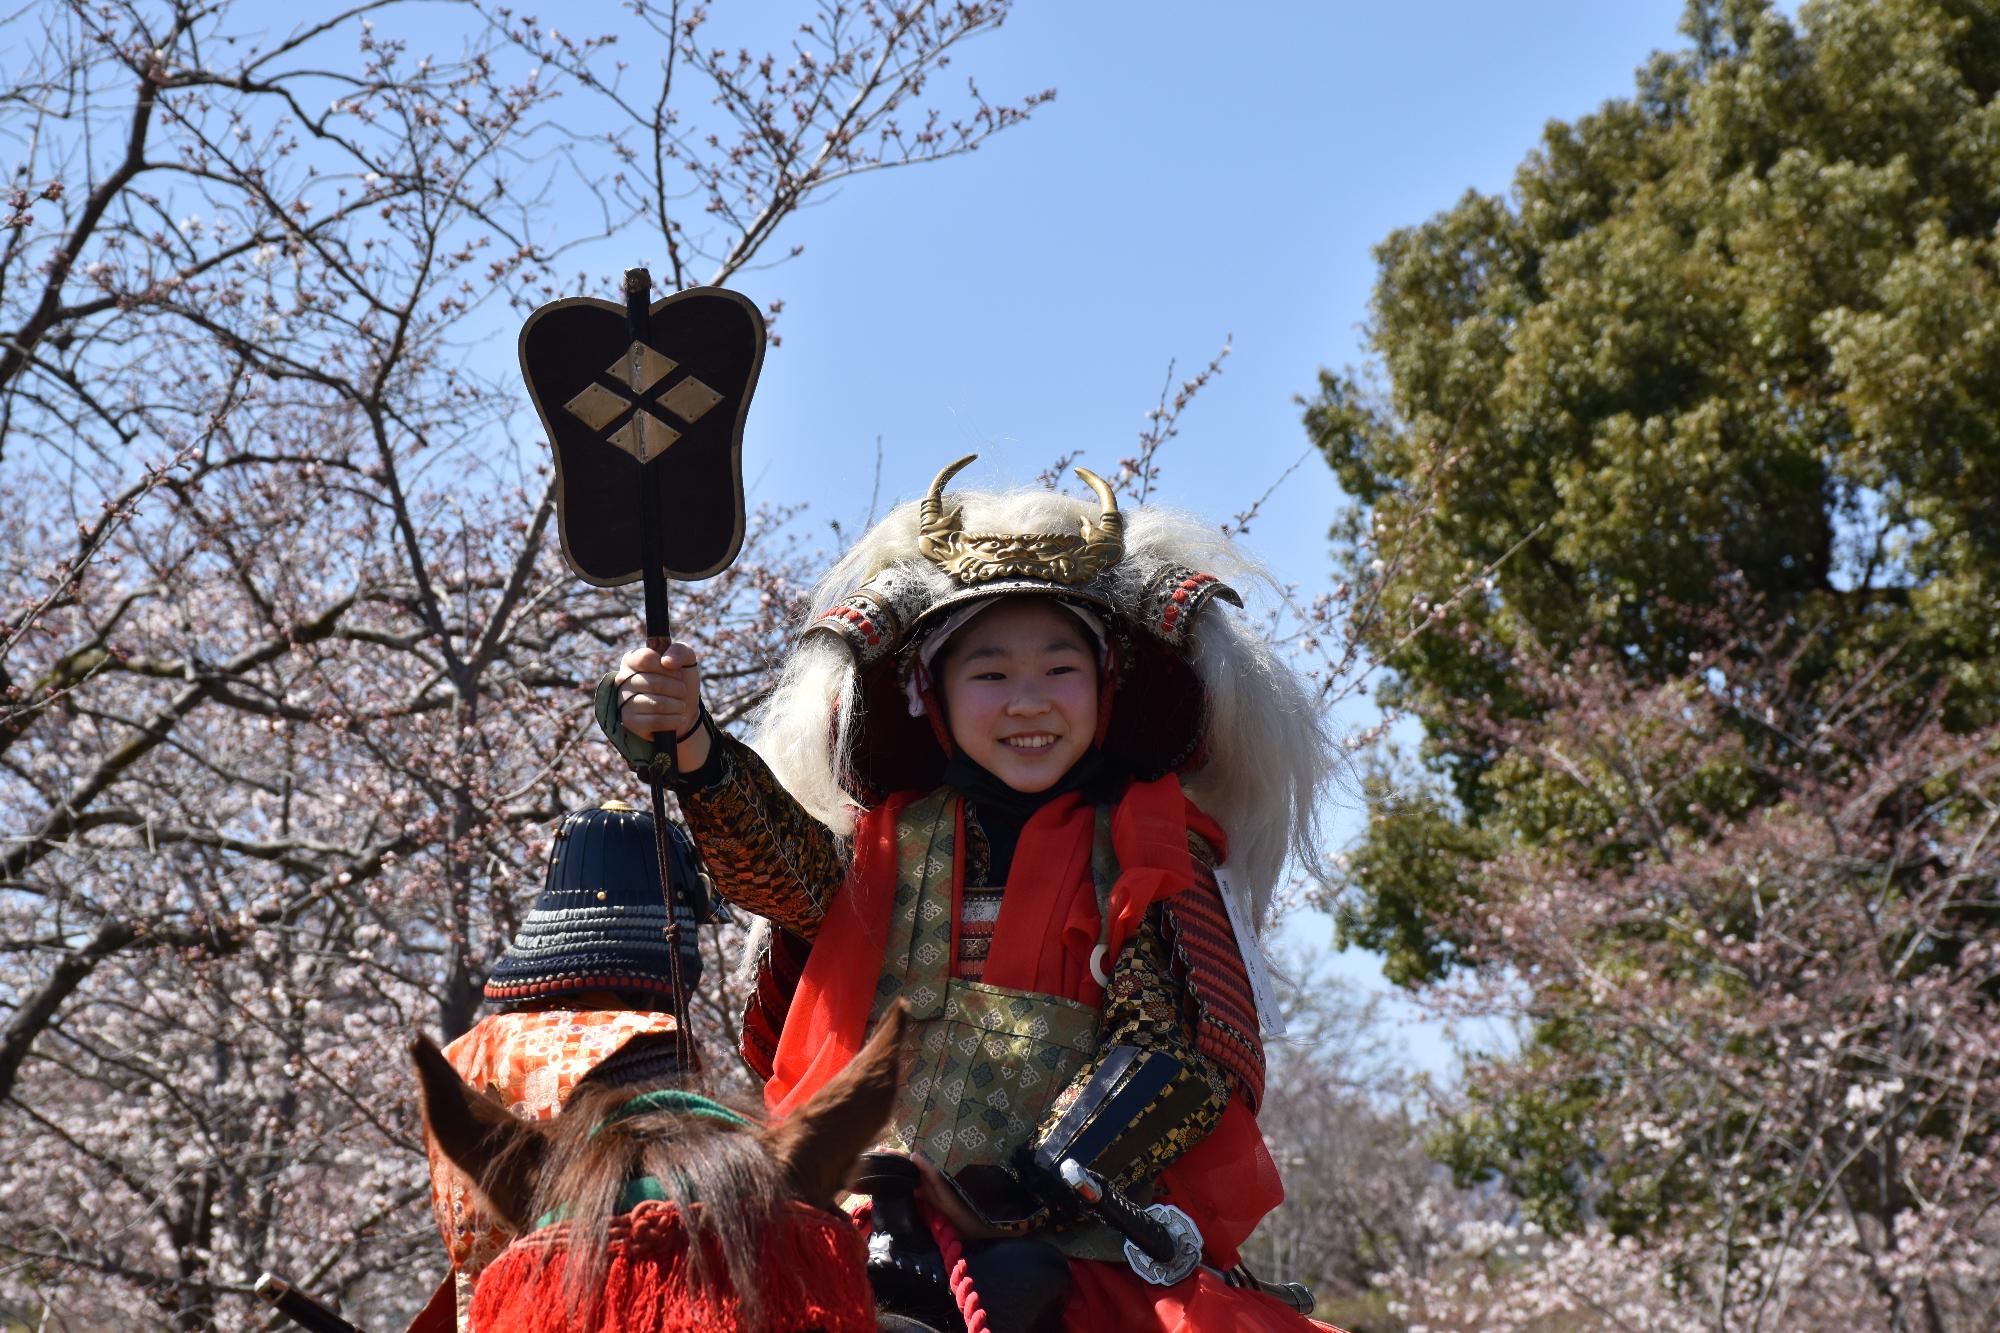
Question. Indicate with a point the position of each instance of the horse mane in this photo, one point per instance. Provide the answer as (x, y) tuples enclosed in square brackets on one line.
[(726, 1169)]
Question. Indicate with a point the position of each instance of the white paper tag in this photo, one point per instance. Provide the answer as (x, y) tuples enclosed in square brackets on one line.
[(1236, 902)]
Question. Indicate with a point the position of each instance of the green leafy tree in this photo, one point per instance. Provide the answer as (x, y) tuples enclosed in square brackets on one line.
[(1743, 322)]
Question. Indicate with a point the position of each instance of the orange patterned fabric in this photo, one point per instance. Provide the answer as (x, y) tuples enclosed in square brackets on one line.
[(532, 1061)]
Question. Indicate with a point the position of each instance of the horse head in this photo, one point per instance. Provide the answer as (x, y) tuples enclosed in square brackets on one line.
[(747, 1177)]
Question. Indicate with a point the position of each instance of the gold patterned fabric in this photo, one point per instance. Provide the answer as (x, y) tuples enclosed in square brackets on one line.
[(985, 1062)]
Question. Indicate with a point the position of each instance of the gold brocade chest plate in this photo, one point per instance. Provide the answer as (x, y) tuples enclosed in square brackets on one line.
[(986, 1063)]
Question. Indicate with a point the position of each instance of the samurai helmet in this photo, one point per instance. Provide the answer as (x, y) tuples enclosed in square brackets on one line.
[(597, 924), (1042, 545)]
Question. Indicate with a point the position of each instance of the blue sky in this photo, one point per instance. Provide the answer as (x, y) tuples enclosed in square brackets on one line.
[(1205, 174)]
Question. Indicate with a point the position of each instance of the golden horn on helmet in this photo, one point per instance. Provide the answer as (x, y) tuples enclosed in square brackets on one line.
[(1106, 537), (937, 527), (975, 558)]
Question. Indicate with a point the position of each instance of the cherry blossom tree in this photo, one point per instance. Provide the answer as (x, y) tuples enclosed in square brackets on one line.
[(1345, 1118), (295, 681), (1755, 952)]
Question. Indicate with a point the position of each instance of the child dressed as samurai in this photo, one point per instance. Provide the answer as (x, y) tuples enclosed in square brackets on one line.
[(1027, 773)]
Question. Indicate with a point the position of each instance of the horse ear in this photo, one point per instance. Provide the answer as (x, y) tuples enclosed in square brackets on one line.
[(820, 1142), (491, 1145)]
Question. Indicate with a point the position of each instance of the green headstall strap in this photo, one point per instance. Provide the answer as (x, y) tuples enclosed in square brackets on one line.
[(676, 1101), (641, 1189)]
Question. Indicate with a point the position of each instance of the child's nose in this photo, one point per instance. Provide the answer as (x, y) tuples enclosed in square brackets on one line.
[(1028, 701)]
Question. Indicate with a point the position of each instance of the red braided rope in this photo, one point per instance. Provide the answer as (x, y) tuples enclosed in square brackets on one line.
[(960, 1278)]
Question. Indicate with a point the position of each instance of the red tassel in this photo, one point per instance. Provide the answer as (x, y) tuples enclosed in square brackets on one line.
[(811, 1266)]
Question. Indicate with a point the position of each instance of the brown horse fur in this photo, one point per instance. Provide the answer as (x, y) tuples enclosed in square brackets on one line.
[(743, 1178)]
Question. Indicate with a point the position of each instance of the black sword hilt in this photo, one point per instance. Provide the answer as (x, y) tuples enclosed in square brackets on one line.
[(1124, 1216), (1162, 1243)]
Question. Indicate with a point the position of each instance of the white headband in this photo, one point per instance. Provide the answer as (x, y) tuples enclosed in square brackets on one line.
[(934, 643)]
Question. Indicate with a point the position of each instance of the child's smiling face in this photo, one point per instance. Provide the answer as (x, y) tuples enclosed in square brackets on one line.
[(1020, 691)]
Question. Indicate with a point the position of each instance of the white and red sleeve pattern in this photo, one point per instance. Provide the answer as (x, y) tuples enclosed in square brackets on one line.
[(1209, 965)]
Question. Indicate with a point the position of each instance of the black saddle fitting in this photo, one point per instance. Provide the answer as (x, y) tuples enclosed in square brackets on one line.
[(1023, 1284), (904, 1265)]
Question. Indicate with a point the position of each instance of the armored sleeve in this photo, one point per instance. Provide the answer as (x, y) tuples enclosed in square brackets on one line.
[(764, 852), (1145, 1013), (1167, 1065)]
